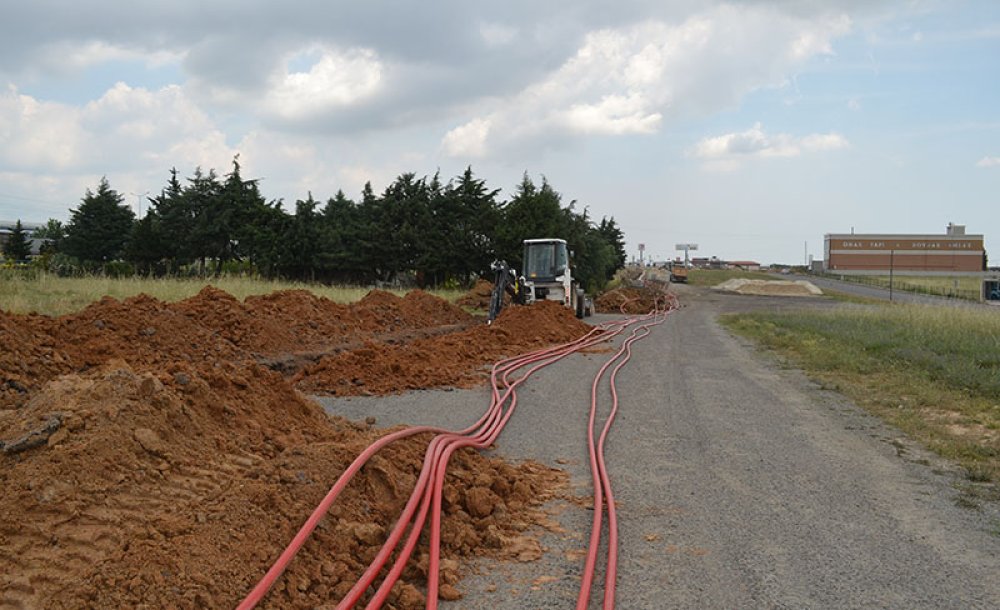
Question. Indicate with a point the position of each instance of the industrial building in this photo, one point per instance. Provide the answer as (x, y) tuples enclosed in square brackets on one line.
[(953, 253), (7, 227)]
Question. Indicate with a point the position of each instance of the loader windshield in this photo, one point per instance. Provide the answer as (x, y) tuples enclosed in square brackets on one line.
[(544, 260)]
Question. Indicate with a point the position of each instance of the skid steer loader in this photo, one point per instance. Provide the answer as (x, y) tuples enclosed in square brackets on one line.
[(547, 276)]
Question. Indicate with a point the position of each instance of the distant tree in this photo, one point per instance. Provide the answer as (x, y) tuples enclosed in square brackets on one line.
[(146, 247), (17, 247), (344, 245), (609, 230), (175, 220), (223, 213), (470, 216), (261, 238), (302, 241), (99, 228), (533, 212), (53, 232)]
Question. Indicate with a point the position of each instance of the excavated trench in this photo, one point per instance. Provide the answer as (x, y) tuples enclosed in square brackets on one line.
[(162, 454)]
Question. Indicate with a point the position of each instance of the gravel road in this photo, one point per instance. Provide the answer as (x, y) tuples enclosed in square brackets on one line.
[(741, 484)]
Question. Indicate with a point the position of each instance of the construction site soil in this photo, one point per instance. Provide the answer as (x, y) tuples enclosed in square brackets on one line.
[(152, 454), (628, 299)]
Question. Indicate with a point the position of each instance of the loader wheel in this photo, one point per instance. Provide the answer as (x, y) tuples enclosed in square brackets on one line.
[(579, 303)]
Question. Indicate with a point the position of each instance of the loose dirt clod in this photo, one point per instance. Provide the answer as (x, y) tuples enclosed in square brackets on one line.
[(478, 297), (455, 359), (180, 466), (633, 299)]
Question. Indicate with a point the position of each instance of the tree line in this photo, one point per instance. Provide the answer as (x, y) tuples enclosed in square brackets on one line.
[(418, 229)]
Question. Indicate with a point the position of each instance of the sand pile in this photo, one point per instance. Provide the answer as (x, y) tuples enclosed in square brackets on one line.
[(798, 288), (147, 458)]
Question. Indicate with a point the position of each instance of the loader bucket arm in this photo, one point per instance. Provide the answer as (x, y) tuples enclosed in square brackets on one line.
[(504, 281)]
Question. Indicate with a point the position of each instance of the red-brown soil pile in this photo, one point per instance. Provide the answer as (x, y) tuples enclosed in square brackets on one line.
[(455, 359), (147, 459), (636, 300), (177, 489), (478, 297), (212, 326)]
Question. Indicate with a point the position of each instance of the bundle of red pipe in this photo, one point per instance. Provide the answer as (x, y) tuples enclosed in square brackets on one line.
[(427, 493)]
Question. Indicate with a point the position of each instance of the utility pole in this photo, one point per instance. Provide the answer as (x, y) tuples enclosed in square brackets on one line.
[(138, 204)]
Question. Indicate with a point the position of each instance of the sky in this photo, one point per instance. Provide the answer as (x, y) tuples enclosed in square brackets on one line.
[(750, 128)]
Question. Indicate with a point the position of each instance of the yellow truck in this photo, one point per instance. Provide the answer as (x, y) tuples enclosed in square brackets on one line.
[(678, 273)]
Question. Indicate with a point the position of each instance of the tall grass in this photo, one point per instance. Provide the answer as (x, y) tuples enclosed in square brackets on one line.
[(53, 295), (932, 371)]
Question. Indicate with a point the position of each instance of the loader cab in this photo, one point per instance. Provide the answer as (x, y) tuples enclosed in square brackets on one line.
[(545, 259)]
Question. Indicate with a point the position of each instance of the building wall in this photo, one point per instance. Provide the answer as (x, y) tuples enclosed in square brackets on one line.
[(904, 253)]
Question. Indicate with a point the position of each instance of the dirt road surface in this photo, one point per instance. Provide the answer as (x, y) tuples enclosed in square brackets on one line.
[(740, 484)]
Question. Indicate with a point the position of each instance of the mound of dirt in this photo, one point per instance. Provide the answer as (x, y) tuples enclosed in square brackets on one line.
[(478, 297), (178, 489), (799, 288), (633, 300), (28, 357), (451, 360), (147, 459)]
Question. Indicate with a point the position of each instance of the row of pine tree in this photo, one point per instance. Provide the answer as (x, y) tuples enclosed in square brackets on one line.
[(420, 229)]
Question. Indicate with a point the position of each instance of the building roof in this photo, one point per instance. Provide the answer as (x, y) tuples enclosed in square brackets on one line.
[(923, 236)]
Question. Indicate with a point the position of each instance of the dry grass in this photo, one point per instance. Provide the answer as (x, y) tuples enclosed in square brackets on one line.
[(961, 287), (934, 372), (53, 295), (712, 277)]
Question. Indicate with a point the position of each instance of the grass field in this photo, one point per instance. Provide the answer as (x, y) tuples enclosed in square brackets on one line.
[(962, 287), (53, 295), (934, 372), (712, 277)]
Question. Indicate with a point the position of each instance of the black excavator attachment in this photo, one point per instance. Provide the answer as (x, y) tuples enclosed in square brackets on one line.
[(505, 281)]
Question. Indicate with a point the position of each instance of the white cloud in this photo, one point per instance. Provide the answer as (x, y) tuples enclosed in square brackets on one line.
[(132, 135), (467, 140), (36, 134), (988, 162), (854, 104), (613, 115), (630, 80), (754, 142), (336, 80)]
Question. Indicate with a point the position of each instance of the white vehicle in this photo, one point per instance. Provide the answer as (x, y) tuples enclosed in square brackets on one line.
[(547, 277)]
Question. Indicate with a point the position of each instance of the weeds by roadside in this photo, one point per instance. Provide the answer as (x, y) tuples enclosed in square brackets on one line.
[(933, 372), (53, 295)]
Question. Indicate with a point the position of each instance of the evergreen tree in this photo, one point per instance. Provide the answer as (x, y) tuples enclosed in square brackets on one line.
[(532, 213), (147, 247), (470, 216), (302, 241), (342, 253), (614, 236), (99, 228), (176, 223), (52, 234), (17, 247)]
